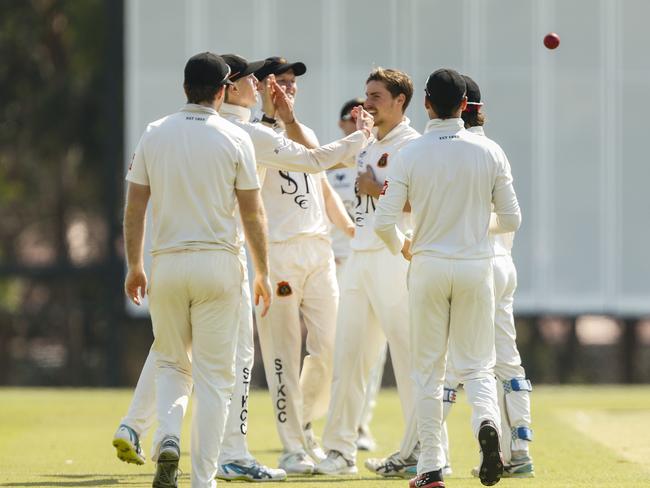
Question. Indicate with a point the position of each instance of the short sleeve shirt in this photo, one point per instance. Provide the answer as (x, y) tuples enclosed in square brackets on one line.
[(193, 161)]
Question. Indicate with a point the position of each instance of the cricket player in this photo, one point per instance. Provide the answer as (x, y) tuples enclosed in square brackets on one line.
[(374, 298), (272, 151), (196, 168), (452, 179), (275, 152), (303, 275), (513, 387), (342, 181)]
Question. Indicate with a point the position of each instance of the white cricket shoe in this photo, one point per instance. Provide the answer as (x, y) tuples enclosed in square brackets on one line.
[(335, 463), (249, 471), (127, 445), (394, 466), (311, 445), (296, 463)]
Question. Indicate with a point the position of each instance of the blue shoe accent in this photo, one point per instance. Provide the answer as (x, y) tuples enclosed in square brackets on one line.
[(249, 472)]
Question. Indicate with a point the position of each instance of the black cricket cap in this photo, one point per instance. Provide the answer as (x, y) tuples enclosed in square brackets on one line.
[(445, 88), (348, 106), (473, 91), (240, 67), (206, 69), (276, 65)]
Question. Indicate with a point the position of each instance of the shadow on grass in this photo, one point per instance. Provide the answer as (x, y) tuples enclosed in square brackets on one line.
[(329, 479), (93, 482), (94, 479)]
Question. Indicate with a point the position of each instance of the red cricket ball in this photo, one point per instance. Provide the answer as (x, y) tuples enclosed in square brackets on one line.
[(551, 40)]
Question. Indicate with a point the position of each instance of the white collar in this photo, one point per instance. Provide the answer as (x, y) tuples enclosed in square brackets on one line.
[(406, 122), (477, 130), (444, 124), (195, 107), (238, 112)]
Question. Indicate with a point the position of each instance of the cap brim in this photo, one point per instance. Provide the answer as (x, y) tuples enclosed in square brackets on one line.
[(250, 69), (264, 71), (298, 68)]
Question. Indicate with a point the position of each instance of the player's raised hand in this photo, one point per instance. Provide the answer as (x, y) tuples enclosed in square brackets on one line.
[(363, 119), (282, 104), (262, 289), (135, 285), (266, 90)]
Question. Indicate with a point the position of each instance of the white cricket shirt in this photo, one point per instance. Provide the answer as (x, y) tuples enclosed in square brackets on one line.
[(379, 156), (193, 161), (452, 178), (294, 204), (501, 243)]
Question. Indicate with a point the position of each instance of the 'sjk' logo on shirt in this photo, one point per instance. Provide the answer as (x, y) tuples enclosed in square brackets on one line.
[(383, 161), (284, 289)]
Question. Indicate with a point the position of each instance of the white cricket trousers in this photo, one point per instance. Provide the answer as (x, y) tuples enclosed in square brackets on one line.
[(195, 305), (373, 309), (303, 276), (376, 373), (515, 405), (452, 311), (142, 410)]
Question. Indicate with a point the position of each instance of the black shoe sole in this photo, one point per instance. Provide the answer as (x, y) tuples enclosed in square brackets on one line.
[(491, 468), (166, 469)]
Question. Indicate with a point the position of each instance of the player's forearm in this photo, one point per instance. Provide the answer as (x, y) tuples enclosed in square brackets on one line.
[(503, 223), (256, 231), (296, 133), (389, 233), (278, 152), (389, 210), (134, 226), (340, 153), (336, 210), (506, 216)]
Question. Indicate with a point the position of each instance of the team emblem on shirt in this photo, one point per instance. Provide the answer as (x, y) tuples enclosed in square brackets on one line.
[(284, 289), (383, 161)]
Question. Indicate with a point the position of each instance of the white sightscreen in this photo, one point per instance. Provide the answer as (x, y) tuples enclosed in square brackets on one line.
[(571, 120)]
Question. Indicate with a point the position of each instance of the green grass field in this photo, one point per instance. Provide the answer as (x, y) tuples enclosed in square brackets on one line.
[(585, 437)]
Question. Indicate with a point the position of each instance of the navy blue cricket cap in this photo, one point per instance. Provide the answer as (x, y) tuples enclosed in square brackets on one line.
[(446, 87), (206, 69), (474, 103), (276, 65)]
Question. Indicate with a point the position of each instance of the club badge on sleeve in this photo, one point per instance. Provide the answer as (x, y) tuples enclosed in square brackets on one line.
[(284, 289)]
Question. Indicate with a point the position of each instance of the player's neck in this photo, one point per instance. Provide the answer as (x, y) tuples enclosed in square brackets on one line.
[(384, 129)]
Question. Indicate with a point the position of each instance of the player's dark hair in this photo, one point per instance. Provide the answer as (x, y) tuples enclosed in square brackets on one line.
[(201, 93), (348, 106), (396, 82), (473, 119), (443, 109)]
